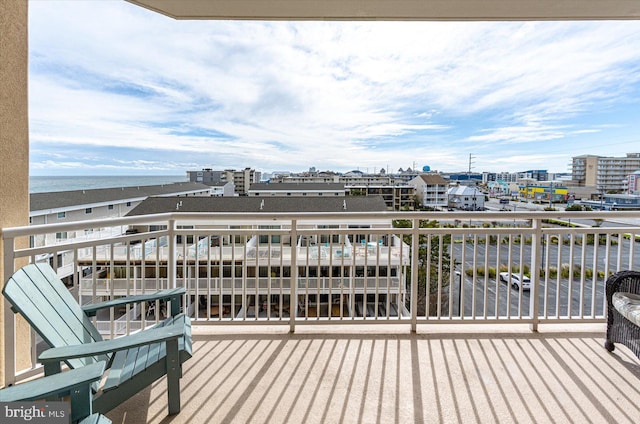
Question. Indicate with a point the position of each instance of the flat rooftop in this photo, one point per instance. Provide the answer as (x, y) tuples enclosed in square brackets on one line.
[(442, 374)]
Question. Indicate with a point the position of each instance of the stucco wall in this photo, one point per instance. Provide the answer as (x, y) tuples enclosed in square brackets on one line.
[(14, 142)]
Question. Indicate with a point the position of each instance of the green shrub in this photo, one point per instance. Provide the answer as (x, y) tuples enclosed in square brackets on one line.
[(480, 272)]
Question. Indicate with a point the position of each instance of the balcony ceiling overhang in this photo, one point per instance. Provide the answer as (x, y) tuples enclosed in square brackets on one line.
[(410, 10)]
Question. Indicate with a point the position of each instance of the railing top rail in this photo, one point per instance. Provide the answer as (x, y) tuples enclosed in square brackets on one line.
[(94, 223), (189, 217)]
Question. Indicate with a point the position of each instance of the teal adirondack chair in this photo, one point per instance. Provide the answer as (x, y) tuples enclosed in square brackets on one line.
[(133, 361), (74, 384)]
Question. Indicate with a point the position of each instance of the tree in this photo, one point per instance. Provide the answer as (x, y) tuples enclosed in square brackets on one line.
[(439, 269)]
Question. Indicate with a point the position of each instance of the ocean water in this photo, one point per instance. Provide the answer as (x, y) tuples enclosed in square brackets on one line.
[(41, 184)]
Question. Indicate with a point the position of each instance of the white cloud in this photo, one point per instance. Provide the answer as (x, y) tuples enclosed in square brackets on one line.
[(288, 95)]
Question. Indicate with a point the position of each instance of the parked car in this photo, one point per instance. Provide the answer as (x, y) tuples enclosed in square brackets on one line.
[(516, 280)]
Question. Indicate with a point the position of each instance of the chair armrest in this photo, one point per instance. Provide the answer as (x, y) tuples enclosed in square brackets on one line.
[(153, 335), (90, 309), (58, 384)]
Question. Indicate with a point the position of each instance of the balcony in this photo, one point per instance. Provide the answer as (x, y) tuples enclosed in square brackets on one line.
[(441, 374), (482, 373), (345, 317)]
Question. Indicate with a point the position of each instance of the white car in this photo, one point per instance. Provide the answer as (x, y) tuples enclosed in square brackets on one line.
[(516, 280)]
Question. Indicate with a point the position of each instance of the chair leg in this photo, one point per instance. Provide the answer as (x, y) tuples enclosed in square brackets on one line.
[(173, 376), (608, 344)]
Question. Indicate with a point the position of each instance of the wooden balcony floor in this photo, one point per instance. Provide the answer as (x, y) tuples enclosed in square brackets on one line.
[(443, 374)]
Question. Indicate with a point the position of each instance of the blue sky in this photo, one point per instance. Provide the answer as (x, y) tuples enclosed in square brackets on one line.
[(115, 89)]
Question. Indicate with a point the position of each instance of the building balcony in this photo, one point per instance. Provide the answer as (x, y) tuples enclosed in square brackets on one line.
[(368, 374), (347, 318)]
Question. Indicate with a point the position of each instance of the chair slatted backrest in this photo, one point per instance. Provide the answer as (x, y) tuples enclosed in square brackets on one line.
[(36, 292)]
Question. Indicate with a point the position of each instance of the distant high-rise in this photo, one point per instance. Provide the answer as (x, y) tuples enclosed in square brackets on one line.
[(606, 174), (241, 180)]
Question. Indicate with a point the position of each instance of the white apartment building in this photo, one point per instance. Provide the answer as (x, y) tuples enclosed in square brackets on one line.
[(80, 205), (606, 174), (431, 190)]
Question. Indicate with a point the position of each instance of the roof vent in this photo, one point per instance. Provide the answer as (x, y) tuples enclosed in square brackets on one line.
[(178, 205), (344, 204)]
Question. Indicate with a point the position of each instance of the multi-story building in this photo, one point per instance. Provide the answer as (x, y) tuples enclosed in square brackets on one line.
[(534, 174), (241, 180), (206, 176), (606, 174), (337, 259), (431, 190), (393, 188), (80, 205), (502, 177), (351, 178), (296, 190), (396, 197)]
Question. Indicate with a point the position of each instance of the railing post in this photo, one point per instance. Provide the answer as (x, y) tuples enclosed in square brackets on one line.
[(415, 248), (294, 276), (9, 319), (172, 257), (535, 273)]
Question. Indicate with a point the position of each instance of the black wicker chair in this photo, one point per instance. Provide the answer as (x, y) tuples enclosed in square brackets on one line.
[(619, 328)]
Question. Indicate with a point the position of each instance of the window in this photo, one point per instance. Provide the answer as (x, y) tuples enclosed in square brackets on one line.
[(110, 207), (128, 204), (189, 238), (62, 215), (88, 210), (61, 236), (264, 239)]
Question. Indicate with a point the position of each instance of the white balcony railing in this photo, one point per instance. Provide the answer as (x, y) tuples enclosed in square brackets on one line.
[(353, 268)]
